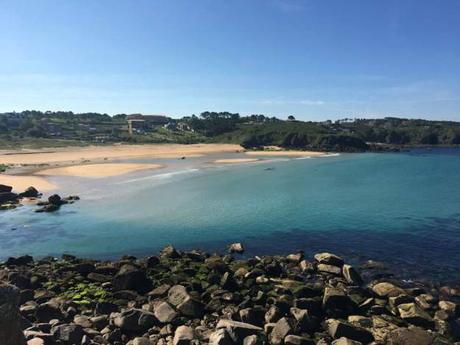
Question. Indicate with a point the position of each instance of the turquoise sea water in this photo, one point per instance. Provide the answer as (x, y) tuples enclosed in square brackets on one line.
[(401, 208)]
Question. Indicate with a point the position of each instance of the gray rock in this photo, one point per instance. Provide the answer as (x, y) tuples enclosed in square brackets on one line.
[(130, 277), (282, 329), (303, 321), (273, 314), (329, 269), (142, 341), (412, 313), (10, 327), (183, 335), (177, 294), (336, 300), (69, 334), (135, 320), (306, 266), (220, 337), (338, 329), (451, 308), (99, 322), (406, 336), (159, 291), (351, 275), (82, 321), (386, 289), (254, 316), (346, 341), (397, 300), (298, 340), (36, 341), (48, 311), (329, 259), (169, 252), (164, 312), (190, 307), (236, 248), (238, 330), (252, 340)]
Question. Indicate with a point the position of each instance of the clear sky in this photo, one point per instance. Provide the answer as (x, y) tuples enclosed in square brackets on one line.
[(315, 59)]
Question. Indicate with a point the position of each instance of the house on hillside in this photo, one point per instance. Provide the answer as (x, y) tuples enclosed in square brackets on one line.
[(138, 123)]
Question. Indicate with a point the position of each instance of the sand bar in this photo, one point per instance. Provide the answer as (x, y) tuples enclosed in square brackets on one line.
[(98, 170), (286, 153), (21, 182), (236, 160), (95, 153)]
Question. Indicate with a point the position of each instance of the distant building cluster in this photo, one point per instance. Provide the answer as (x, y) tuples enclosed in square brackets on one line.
[(138, 123)]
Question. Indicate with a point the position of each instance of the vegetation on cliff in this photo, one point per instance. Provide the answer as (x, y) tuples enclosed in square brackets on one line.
[(35, 129)]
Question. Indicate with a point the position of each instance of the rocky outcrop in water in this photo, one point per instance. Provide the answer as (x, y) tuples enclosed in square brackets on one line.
[(9, 200), (198, 298)]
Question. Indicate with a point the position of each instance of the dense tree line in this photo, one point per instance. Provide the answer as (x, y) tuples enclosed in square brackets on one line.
[(251, 131)]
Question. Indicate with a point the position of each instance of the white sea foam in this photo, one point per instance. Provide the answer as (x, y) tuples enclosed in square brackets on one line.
[(329, 155), (160, 176)]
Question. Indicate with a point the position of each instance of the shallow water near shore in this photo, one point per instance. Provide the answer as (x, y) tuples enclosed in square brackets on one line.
[(399, 208)]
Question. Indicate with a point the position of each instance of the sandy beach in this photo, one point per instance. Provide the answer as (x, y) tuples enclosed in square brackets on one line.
[(101, 153), (97, 170), (34, 167), (286, 153), (21, 182)]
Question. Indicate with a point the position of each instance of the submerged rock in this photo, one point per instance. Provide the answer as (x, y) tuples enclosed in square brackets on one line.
[(236, 248)]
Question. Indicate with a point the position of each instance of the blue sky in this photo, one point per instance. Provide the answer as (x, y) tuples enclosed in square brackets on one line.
[(322, 59)]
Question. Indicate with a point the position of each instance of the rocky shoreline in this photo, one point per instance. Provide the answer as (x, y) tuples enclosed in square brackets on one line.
[(10, 200), (191, 297)]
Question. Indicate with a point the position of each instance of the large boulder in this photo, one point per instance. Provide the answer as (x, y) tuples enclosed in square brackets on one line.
[(220, 337), (8, 196), (238, 330), (338, 329), (329, 259), (412, 313), (130, 277), (336, 302), (164, 312), (134, 320), (412, 336), (387, 289), (282, 329), (184, 303), (68, 334), (30, 192), (48, 311), (351, 275), (10, 324), (5, 188), (184, 335), (19, 261), (55, 199)]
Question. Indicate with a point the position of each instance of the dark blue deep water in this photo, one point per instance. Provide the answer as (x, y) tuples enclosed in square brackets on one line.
[(399, 208)]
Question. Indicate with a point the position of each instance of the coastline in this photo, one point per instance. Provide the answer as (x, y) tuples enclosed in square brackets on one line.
[(40, 167), (204, 298)]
